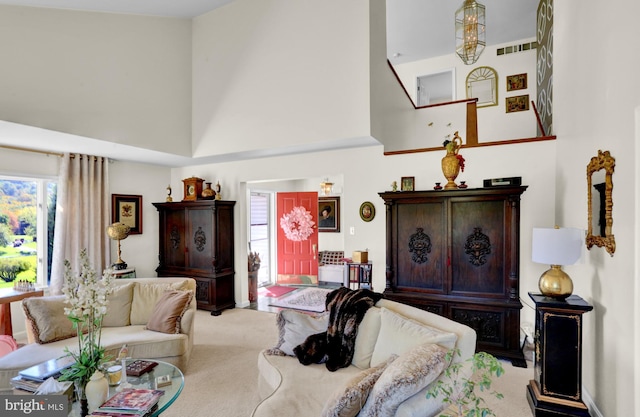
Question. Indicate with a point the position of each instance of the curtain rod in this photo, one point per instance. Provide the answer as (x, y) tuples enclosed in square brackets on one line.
[(18, 148)]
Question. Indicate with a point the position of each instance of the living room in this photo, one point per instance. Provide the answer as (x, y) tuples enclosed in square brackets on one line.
[(209, 100)]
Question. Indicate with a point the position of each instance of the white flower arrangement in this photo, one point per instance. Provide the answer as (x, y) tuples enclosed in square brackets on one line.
[(298, 224), (86, 293)]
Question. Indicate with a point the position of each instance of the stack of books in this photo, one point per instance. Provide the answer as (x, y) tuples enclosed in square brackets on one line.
[(24, 384), (135, 402)]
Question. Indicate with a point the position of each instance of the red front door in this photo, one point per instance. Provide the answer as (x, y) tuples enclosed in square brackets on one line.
[(297, 253)]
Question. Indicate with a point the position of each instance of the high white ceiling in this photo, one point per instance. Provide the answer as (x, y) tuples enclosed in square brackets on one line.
[(420, 29), (416, 29), (167, 8)]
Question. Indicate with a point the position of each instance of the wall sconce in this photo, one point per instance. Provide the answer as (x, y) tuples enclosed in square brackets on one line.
[(470, 31), (326, 187), (556, 247)]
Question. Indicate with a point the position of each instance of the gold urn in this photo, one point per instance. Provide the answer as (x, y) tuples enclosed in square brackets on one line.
[(451, 162)]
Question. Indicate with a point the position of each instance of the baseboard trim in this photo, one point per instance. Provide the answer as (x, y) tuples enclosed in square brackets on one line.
[(588, 401), (243, 304)]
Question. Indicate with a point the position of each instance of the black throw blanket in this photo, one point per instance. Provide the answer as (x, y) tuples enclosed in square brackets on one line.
[(346, 309)]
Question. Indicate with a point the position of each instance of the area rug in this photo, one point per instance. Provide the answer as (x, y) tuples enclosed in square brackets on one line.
[(308, 299), (274, 291)]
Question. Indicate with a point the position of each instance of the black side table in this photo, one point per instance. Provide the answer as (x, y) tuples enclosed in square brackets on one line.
[(557, 388)]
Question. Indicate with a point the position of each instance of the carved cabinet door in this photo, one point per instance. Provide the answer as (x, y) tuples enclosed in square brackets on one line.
[(422, 247), (200, 249), (477, 247)]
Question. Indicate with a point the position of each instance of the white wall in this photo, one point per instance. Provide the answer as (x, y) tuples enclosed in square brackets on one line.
[(120, 78), (595, 100), (283, 75), (150, 181)]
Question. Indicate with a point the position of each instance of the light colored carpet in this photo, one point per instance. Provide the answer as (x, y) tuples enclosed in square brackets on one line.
[(221, 380)]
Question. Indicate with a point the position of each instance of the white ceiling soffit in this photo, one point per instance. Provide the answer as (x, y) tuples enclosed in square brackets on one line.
[(13, 135)]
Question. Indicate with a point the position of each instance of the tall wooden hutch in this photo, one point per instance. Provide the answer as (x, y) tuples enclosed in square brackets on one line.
[(456, 253), (197, 240)]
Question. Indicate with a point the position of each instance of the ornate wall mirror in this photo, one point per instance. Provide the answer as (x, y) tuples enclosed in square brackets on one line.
[(600, 203)]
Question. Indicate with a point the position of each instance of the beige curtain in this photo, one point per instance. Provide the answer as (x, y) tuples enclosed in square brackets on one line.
[(82, 215)]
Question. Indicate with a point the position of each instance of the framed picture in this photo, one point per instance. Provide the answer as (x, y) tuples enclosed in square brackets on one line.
[(328, 214), (367, 211), (407, 184), (517, 103), (516, 82), (127, 209)]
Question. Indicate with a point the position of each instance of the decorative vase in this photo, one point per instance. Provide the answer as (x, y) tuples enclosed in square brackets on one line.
[(96, 390), (451, 163), (81, 398), (208, 192)]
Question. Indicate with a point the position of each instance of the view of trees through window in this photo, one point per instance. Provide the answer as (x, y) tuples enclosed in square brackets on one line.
[(21, 239)]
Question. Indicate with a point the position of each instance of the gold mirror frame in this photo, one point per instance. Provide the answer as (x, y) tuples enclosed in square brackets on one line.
[(605, 161)]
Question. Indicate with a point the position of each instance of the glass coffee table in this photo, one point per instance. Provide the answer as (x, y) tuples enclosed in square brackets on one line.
[(148, 381)]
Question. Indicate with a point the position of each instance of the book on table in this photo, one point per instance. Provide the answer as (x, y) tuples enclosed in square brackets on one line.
[(47, 369), (131, 401)]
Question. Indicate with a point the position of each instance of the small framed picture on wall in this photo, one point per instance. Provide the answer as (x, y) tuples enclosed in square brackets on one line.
[(516, 82), (328, 214), (517, 103), (127, 209)]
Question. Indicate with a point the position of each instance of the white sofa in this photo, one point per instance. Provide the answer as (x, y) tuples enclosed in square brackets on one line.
[(289, 389), (129, 310)]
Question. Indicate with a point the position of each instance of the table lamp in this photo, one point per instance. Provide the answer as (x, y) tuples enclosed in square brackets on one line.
[(556, 247), (118, 231)]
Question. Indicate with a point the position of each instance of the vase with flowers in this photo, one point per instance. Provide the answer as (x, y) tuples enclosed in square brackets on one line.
[(453, 162), (86, 293)]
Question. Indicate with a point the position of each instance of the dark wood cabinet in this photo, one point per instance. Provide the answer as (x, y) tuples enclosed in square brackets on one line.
[(456, 253), (557, 387), (197, 240)]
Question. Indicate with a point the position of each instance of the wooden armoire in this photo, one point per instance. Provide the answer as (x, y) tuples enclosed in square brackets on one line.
[(197, 240), (456, 253)]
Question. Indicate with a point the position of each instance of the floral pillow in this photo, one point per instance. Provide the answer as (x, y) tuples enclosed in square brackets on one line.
[(349, 399), (404, 377)]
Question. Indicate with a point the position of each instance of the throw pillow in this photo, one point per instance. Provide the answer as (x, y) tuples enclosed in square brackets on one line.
[(398, 334), (366, 338), (145, 297), (168, 311), (45, 316), (294, 327), (349, 399), (119, 306), (404, 377)]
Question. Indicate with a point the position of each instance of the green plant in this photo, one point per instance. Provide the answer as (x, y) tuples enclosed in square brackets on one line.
[(87, 293), (459, 392)]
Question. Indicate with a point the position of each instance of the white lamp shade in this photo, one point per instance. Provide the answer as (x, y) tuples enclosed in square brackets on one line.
[(557, 246)]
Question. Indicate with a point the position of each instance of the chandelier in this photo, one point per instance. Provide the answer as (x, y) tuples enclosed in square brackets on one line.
[(470, 31)]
